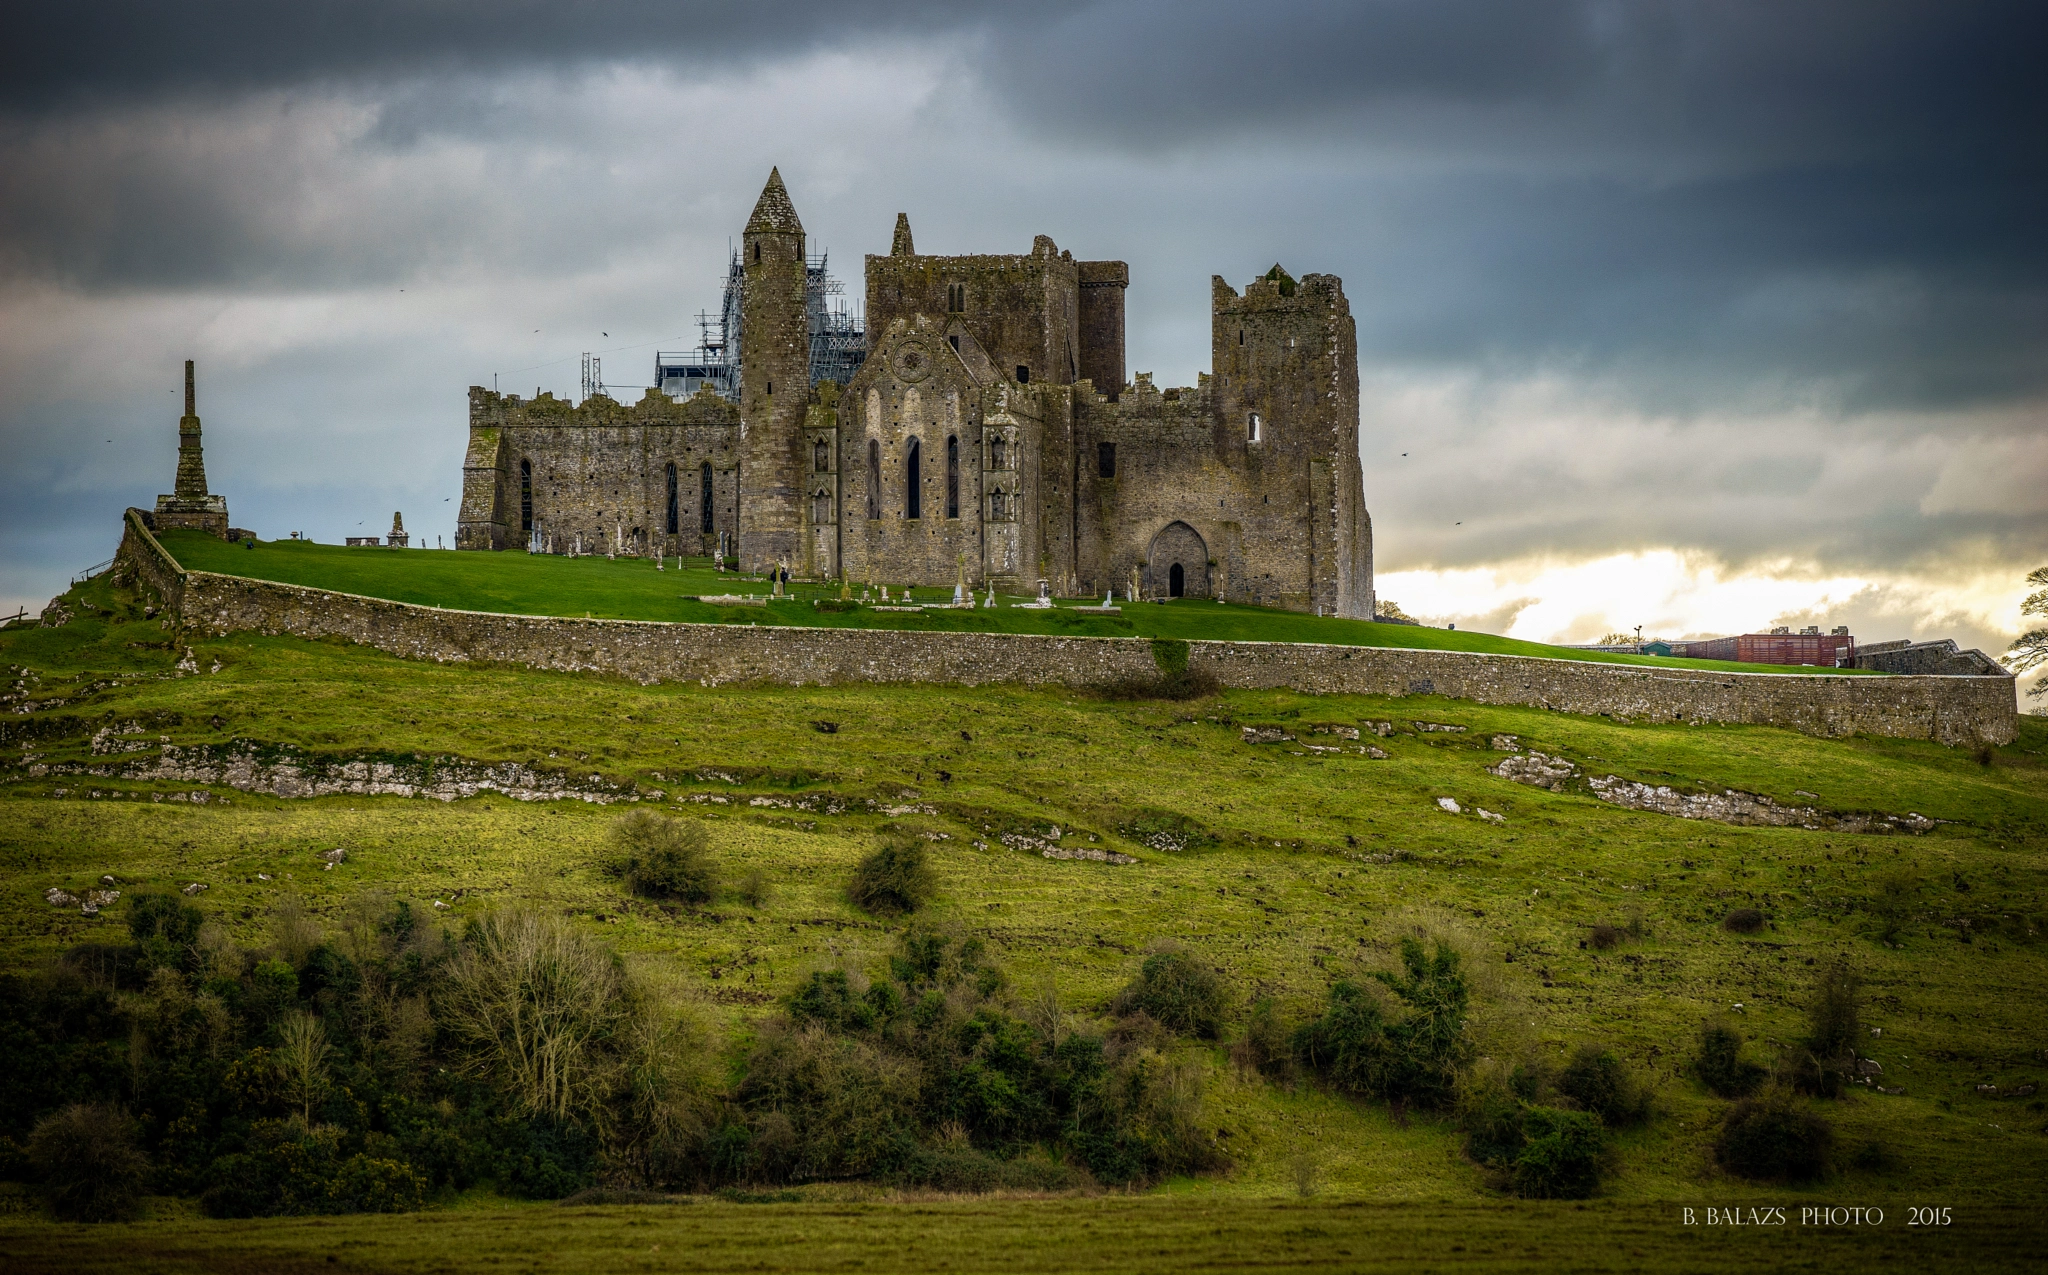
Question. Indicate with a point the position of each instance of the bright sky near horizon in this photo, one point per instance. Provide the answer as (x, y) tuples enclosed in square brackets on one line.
[(1698, 317)]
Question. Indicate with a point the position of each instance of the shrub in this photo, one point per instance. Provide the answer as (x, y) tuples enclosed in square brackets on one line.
[(1179, 992), (1414, 1058), (1561, 1156), (1833, 1026), (1896, 900), (88, 1164), (895, 879), (754, 889), (164, 928), (1263, 1046), (1743, 921), (365, 1184), (1605, 937), (1718, 1063), (664, 858), (1601, 1084), (1771, 1139)]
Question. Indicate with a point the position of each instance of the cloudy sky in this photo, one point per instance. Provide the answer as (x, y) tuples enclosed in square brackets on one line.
[(1700, 316)]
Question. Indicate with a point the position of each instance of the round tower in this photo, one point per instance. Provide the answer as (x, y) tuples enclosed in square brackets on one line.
[(775, 382)]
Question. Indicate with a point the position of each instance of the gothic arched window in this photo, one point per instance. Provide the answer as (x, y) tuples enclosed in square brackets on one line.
[(673, 512), (526, 495), (821, 509), (819, 457), (704, 522)]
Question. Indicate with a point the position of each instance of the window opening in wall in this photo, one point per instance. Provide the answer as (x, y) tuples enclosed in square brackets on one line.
[(954, 341), (1253, 432), (956, 298), (526, 495), (913, 480), (704, 497), (757, 252), (672, 511), (1176, 581), (998, 455), (821, 509), (952, 476), (818, 457), (1240, 336), (771, 387), (874, 478), (1023, 375), (1105, 460)]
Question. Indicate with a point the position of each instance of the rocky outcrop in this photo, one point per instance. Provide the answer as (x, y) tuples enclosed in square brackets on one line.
[(1727, 806)]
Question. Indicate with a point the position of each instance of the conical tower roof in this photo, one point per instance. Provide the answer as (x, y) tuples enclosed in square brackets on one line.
[(773, 213)]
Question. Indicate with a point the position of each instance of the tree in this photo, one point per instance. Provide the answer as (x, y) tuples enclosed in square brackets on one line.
[(2031, 651), (302, 1058)]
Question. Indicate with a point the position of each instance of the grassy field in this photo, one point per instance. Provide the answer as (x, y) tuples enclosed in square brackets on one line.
[(631, 589), (1301, 866), (1019, 1237)]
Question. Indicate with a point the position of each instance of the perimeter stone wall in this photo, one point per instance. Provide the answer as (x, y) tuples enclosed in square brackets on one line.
[(1951, 710)]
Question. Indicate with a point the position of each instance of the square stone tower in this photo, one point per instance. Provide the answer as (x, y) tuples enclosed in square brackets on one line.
[(191, 505)]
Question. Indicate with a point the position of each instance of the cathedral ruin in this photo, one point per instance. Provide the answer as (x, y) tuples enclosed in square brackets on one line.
[(987, 429)]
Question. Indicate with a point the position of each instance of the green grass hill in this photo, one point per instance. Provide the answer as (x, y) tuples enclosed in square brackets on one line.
[(1071, 839)]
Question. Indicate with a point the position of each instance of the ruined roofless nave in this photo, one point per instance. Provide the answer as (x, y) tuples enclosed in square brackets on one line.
[(990, 429)]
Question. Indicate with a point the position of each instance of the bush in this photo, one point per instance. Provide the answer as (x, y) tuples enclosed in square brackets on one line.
[(1833, 1027), (1417, 1057), (164, 928), (664, 858), (1743, 921), (1601, 1084), (895, 879), (1718, 1063), (368, 1185), (1771, 1139), (1561, 1157), (1179, 993), (87, 1162), (1895, 902), (1263, 1047), (754, 889)]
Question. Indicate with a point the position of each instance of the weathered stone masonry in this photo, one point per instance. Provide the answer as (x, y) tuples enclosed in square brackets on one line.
[(990, 433), (1951, 710)]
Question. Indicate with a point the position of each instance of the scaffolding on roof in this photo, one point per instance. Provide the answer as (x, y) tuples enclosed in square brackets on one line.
[(838, 337)]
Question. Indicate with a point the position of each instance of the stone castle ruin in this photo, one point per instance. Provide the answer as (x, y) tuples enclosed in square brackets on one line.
[(988, 431)]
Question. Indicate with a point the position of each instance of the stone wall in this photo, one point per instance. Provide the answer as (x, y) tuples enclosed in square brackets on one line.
[(1951, 710), (596, 473), (1941, 658)]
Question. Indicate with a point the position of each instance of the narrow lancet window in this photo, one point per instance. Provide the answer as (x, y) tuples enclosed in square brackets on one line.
[(913, 480), (874, 478), (952, 476)]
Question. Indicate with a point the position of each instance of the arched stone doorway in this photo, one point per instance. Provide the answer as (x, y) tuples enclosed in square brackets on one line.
[(1177, 564)]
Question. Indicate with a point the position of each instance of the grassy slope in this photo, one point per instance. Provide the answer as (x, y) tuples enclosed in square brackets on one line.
[(1285, 901), (631, 589)]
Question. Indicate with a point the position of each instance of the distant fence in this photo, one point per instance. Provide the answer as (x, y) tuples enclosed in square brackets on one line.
[(1951, 710)]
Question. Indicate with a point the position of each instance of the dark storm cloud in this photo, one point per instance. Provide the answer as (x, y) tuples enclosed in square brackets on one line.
[(1743, 277), (64, 56)]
